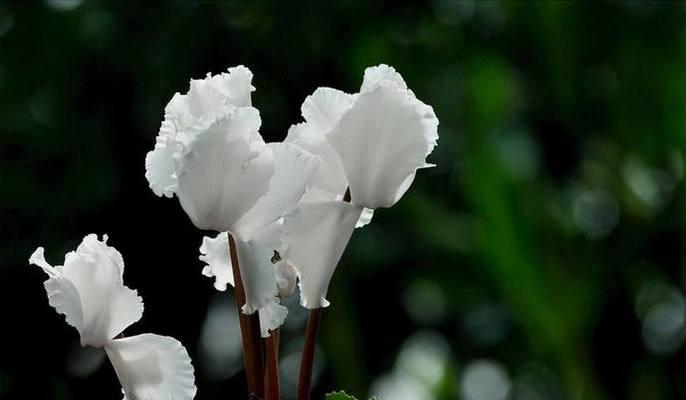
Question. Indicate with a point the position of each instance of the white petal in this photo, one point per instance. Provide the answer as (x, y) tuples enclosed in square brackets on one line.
[(323, 108), (317, 234), (272, 316), (365, 217), (330, 177), (160, 168), (179, 112), (215, 253), (314, 195), (152, 367), (62, 294), (286, 277), (381, 74), (93, 274), (207, 97), (382, 140), (226, 168), (236, 86), (256, 267), (293, 169)]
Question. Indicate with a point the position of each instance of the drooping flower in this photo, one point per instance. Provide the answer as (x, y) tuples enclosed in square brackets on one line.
[(371, 143), (89, 291), (209, 153)]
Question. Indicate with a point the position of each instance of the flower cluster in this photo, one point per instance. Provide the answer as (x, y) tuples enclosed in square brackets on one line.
[(283, 214), (284, 202)]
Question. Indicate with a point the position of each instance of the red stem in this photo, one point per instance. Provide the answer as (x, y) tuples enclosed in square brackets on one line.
[(253, 352), (272, 389), (305, 380)]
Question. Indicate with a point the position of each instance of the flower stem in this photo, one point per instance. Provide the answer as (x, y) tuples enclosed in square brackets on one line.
[(305, 380), (253, 351), (272, 389)]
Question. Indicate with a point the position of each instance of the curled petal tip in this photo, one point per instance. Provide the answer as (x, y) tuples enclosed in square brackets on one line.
[(38, 258)]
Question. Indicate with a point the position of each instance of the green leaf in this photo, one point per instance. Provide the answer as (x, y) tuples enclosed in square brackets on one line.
[(339, 396)]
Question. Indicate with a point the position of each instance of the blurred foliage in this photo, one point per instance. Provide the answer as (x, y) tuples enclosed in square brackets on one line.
[(541, 259), (338, 396)]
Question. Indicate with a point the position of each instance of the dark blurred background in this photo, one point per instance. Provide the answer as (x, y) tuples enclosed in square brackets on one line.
[(542, 258)]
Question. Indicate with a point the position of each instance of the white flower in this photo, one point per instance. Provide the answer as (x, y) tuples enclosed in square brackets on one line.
[(371, 143), (205, 99), (209, 151), (383, 138), (89, 291)]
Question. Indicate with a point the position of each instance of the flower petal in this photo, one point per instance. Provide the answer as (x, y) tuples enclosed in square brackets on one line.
[(365, 217), (272, 316), (316, 235), (62, 295), (208, 96), (381, 74), (323, 108), (286, 277), (330, 177), (160, 168), (293, 169), (225, 169), (215, 253), (151, 367), (382, 140), (236, 85), (257, 270)]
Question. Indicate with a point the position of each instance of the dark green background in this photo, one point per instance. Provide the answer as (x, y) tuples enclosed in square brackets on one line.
[(548, 240)]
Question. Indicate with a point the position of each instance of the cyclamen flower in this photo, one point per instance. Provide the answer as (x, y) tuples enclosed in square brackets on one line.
[(209, 153), (371, 143), (89, 291)]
